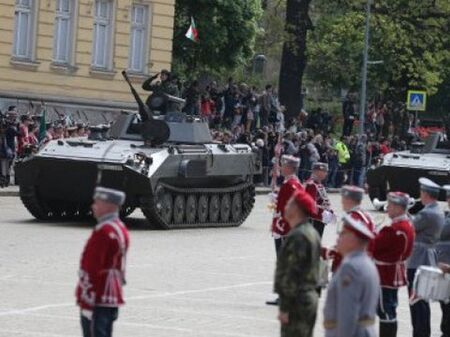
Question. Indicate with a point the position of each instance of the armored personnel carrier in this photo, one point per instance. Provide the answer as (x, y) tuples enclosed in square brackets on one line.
[(400, 171), (167, 165)]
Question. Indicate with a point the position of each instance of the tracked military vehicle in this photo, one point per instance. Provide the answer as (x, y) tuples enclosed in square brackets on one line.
[(400, 171), (166, 164)]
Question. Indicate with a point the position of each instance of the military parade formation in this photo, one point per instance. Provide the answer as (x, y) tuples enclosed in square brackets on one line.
[(369, 263)]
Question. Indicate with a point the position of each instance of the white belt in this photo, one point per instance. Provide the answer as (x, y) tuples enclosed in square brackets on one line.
[(398, 281), (383, 263)]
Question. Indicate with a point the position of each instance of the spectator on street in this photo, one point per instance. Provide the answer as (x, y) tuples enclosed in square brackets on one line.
[(349, 114), (265, 105), (343, 154), (192, 96), (359, 161)]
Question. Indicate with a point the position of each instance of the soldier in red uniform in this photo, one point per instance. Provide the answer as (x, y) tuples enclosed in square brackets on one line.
[(102, 267), (352, 197), (317, 191), (391, 248), (291, 184)]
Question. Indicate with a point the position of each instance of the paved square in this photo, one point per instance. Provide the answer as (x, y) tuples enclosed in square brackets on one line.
[(211, 282)]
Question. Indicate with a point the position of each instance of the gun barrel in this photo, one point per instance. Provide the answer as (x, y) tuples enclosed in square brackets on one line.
[(144, 111)]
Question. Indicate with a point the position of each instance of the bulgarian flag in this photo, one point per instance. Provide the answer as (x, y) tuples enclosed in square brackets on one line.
[(192, 33)]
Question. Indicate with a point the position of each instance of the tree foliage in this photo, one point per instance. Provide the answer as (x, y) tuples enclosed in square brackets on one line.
[(411, 37), (227, 31)]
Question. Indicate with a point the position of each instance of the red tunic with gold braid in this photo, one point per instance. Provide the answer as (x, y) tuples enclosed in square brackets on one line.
[(280, 227), (318, 192), (391, 248), (357, 214), (102, 266)]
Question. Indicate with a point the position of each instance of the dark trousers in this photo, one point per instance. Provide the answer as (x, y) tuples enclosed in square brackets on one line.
[(319, 226), (387, 307), (340, 176), (356, 176), (420, 312), (101, 324), (445, 322), (387, 311), (264, 118), (348, 127), (278, 244)]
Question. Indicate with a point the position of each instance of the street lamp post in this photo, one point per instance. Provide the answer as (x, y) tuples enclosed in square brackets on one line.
[(362, 108)]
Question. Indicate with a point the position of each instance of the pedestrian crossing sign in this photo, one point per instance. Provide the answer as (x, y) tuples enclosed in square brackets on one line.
[(417, 100)]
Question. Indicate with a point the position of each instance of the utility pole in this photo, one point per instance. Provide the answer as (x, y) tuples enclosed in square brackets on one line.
[(362, 108)]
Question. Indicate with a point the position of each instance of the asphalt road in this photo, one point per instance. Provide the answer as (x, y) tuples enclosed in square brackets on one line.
[(210, 282)]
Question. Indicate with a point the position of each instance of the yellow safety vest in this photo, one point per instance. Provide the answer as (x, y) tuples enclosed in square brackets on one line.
[(343, 153)]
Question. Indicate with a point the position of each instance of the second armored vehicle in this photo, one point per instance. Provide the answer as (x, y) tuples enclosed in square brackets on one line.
[(400, 171)]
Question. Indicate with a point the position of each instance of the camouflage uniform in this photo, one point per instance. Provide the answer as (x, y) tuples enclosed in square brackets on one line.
[(296, 280), (166, 87)]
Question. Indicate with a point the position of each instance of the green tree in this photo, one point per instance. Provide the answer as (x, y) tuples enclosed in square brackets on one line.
[(227, 32), (411, 37)]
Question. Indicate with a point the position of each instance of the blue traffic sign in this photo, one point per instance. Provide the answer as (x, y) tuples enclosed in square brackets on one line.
[(417, 100)]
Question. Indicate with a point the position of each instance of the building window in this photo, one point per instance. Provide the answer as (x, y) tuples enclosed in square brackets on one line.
[(62, 40), (138, 38), (102, 44), (23, 30)]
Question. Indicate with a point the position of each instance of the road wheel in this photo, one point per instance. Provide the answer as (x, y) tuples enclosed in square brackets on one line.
[(191, 208), (214, 208), (225, 208), (179, 208), (165, 207), (202, 208), (236, 207), (246, 197)]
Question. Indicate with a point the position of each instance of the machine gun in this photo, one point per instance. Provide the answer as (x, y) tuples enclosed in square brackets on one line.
[(154, 131)]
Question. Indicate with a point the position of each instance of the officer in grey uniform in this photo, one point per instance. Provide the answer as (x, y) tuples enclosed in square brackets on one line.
[(443, 250), (354, 291), (428, 224)]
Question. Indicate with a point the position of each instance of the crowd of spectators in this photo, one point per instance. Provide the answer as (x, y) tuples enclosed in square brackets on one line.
[(22, 135), (239, 113)]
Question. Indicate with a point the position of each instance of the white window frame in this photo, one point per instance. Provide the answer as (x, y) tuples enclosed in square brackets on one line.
[(61, 16), (107, 22), (21, 10), (139, 27)]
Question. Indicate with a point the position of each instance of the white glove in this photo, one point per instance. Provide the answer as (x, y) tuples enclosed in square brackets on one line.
[(273, 197), (328, 217)]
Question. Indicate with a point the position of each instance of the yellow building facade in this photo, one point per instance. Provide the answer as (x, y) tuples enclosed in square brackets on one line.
[(73, 51)]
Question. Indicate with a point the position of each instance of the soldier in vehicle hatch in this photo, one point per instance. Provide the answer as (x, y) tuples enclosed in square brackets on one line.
[(164, 85)]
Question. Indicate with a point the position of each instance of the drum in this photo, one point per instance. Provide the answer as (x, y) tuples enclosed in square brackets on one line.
[(430, 283)]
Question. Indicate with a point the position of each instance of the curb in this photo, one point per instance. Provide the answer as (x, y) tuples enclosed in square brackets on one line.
[(262, 191), (258, 191), (9, 193)]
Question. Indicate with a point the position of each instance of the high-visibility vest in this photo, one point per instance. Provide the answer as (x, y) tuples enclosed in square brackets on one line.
[(343, 153)]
